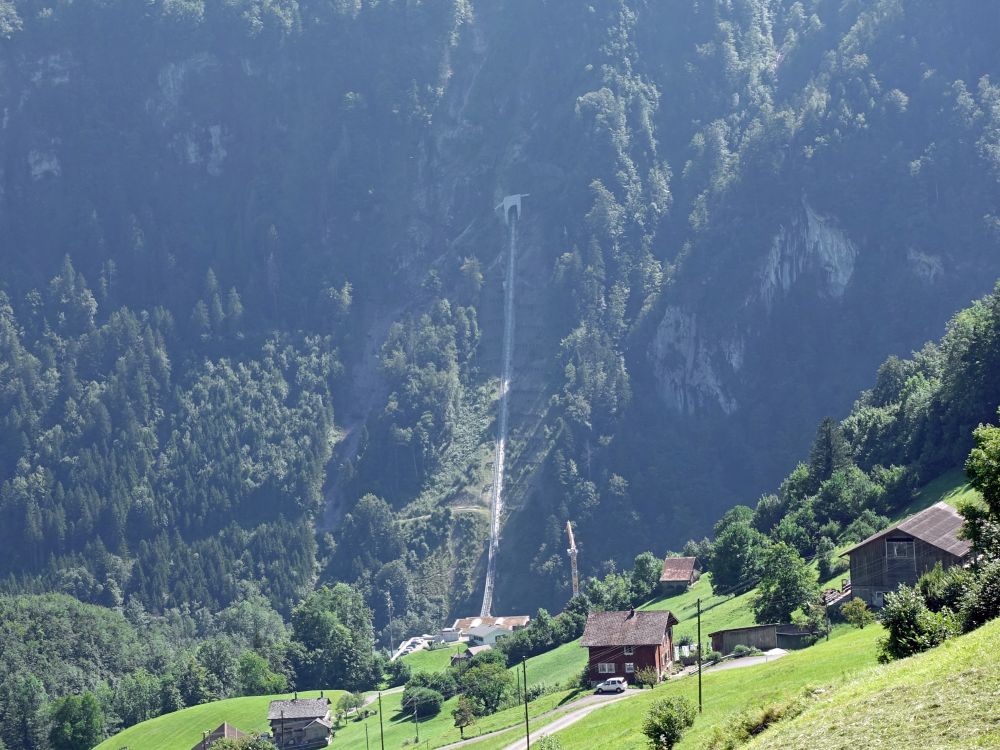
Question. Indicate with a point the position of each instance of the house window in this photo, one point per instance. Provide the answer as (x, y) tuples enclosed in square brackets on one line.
[(605, 668), (895, 550), (629, 667), (629, 650)]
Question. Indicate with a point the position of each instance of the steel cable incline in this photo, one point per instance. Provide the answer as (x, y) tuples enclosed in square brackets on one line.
[(500, 447)]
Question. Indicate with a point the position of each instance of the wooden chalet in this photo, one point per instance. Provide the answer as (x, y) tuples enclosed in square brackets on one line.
[(622, 643), (904, 552), (678, 573), (300, 723)]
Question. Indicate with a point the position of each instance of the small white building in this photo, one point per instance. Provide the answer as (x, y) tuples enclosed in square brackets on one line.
[(486, 635), (449, 635)]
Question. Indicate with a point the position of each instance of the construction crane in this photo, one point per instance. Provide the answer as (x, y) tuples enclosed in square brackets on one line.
[(572, 559)]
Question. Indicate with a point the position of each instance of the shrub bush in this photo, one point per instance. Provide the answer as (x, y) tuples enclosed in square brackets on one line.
[(856, 613), (983, 601), (744, 726), (740, 650), (666, 721), (443, 682), (646, 677), (942, 588), (912, 627), (423, 701)]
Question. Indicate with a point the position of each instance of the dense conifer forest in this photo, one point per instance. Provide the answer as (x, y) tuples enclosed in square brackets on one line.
[(251, 305)]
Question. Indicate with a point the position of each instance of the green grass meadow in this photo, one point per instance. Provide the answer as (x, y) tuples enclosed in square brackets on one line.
[(433, 660), (728, 691), (947, 698), (182, 730)]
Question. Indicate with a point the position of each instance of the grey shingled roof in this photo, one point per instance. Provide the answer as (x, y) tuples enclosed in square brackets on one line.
[(938, 525), (676, 569), (626, 628), (300, 708)]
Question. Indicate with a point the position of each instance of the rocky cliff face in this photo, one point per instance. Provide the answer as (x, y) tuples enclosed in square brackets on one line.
[(697, 358)]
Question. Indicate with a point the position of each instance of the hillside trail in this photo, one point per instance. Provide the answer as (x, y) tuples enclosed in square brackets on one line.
[(500, 447)]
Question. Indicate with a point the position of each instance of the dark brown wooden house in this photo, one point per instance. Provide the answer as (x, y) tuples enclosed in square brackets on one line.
[(622, 643), (904, 552), (301, 723), (678, 573)]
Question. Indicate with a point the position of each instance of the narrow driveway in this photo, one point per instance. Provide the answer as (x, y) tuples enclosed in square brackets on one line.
[(749, 661)]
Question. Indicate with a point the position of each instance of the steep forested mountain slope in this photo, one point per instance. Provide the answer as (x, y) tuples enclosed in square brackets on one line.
[(283, 289)]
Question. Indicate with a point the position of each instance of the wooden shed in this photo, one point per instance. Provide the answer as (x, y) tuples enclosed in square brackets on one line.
[(678, 573), (904, 552), (763, 637)]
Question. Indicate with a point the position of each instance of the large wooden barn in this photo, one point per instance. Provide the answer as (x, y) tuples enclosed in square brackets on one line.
[(904, 552)]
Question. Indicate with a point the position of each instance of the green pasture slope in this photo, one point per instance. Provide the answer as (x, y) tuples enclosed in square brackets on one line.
[(728, 691), (952, 487), (946, 698), (438, 730), (181, 730), (432, 660)]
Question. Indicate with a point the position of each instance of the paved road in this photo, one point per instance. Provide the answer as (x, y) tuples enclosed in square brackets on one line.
[(581, 708), (585, 704)]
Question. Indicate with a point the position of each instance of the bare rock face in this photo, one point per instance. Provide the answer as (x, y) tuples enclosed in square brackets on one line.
[(697, 367), (810, 244), (691, 369)]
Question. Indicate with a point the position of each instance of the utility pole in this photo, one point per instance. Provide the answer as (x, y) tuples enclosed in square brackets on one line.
[(381, 733), (367, 746), (527, 730), (416, 726), (388, 601), (699, 654)]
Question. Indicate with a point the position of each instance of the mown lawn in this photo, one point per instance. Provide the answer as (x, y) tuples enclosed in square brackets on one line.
[(946, 698), (183, 729), (728, 692), (717, 612), (436, 660)]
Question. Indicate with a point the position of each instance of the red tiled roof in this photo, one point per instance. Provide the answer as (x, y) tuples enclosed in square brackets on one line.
[(676, 569), (626, 628)]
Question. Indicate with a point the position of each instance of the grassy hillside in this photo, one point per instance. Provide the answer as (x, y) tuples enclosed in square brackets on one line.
[(717, 612), (438, 730), (949, 694), (435, 660), (952, 487), (182, 730), (729, 691)]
